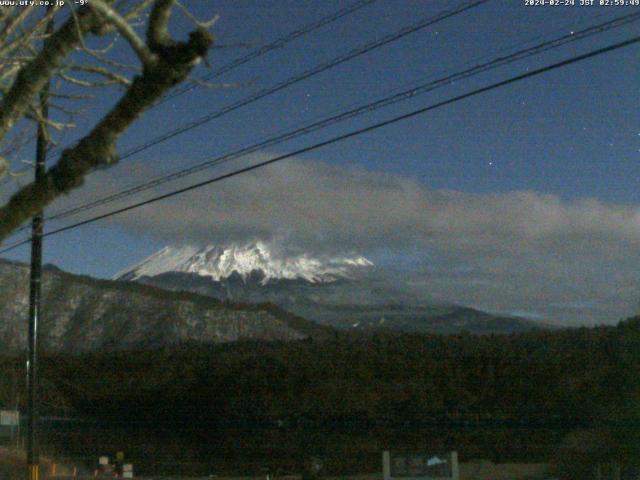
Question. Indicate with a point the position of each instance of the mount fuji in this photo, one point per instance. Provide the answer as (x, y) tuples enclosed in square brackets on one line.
[(340, 291), (247, 261)]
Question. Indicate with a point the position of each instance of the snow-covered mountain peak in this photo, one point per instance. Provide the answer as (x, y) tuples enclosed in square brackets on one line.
[(220, 262)]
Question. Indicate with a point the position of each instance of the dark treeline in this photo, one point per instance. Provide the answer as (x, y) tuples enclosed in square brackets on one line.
[(569, 375), (585, 380)]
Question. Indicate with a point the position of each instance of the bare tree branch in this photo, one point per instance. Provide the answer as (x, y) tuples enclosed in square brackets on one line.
[(33, 77), (136, 12), (202, 24), (125, 30), (90, 84), (158, 31), (99, 56), (101, 71), (172, 64), (14, 22)]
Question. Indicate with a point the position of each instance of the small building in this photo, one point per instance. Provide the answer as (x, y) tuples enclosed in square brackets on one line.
[(9, 427), (420, 466)]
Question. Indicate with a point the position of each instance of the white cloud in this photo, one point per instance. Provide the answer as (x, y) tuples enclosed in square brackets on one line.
[(521, 250)]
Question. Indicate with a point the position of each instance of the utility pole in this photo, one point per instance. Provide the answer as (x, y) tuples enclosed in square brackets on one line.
[(33, 452)]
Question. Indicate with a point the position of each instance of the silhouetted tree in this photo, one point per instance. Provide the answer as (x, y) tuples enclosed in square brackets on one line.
[(27, 64)]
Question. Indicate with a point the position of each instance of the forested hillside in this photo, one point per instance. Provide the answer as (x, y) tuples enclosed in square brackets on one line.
[(82, 314), (501, 397), (574, 374)]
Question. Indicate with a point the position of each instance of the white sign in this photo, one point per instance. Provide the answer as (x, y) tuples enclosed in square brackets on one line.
[(10, 418), (420, 466)]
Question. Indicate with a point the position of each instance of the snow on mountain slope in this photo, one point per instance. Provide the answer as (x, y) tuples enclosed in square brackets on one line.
[(220, 262)]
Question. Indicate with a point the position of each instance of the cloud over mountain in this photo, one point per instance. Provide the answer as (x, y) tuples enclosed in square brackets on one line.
[(324, 206), (540, 251)]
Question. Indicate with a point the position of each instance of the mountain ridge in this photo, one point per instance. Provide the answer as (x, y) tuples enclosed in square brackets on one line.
[(354, 298), (81, 313)]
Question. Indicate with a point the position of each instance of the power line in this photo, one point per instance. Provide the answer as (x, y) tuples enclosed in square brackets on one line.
[(345, 136), (369, 107), (276, 44), (500, 61), (279, 43), (357, 52)]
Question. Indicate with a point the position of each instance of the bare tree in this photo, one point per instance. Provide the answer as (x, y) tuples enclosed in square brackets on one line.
[(30, 58)]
